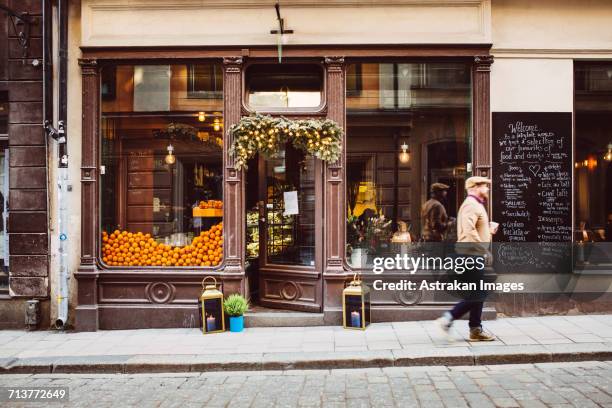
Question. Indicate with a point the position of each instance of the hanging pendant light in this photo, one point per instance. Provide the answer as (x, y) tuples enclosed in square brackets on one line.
[(170, 157), (608, 156), (404, 155)]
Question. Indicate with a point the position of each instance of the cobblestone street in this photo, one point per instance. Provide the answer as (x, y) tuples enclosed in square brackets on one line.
[(582, 384)]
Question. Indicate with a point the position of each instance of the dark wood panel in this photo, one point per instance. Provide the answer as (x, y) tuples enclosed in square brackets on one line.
[(28, 222), (25, 112), (26, 6), (21, 91), (28, 156), (28, 177), (23, 69), (35, 49), (145, 196), (28, 286), (29, 265), (28, 244), (24, 200), (123, 292), (3, 48), (157, 179), (142, 163), (24, 135), (144, 214)]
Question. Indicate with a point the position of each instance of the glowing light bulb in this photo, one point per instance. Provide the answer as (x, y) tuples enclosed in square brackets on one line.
[(216, 125), (404, 156), (608, 156), (201, 116), (170, 157)]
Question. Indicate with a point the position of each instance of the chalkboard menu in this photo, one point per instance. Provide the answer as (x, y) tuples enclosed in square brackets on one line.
[(532, 170), (532, 193)]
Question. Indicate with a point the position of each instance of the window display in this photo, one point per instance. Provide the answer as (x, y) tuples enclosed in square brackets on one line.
[(593, 162), (162, 166), (408, 142)]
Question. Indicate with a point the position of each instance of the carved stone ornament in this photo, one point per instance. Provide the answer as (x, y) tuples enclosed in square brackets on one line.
[(409, 297), (334, 64), (233, 64), (89, 66), (289, 291), (160, 292), (483, 63)]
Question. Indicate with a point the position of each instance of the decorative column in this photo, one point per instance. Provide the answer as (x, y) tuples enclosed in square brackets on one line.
[(87, 297), (482, 115), (233, 192), (335, 212)]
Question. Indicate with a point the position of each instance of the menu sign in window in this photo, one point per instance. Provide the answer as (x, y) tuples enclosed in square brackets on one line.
[(532, 168), (532, 186)]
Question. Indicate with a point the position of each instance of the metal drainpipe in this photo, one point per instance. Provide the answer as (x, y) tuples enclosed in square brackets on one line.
[(63, 185)]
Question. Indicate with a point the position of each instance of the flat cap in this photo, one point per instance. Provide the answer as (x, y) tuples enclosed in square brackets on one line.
[(476, 180), (438, 187)]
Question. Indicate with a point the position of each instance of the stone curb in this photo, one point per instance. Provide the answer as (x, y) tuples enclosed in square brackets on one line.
[(451, 356)]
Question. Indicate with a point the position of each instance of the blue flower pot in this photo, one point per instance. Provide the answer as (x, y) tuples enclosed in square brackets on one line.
[(236, 323)]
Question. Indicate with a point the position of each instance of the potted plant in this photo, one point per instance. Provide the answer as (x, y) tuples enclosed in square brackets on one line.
[(235, 306)]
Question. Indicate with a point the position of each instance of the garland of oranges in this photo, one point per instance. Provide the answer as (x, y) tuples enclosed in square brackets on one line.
[(123, 248)]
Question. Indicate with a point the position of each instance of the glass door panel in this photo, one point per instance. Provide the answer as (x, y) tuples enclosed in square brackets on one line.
[(290, 209)]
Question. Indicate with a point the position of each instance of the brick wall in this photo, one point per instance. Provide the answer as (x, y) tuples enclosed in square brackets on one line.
[(28, 221)]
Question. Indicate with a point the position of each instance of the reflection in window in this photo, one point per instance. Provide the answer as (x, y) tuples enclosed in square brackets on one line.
[(408, 127), (161, 188), (205, 81), (272, 87), (593, 166)]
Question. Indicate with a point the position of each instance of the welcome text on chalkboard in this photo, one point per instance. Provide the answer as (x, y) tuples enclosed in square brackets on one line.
[(532, 174)]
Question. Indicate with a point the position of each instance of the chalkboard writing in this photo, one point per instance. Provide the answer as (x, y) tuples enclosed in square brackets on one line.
[(532, 172)]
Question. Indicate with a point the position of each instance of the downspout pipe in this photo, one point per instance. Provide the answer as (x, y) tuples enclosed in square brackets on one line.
[(63, 182), (59, 134)]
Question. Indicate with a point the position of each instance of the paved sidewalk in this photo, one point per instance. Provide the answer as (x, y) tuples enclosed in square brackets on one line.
[(521, 340)]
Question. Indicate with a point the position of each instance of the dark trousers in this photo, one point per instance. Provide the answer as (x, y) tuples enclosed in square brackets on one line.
[(472, 306)]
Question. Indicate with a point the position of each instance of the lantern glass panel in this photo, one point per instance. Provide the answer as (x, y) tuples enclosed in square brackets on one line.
[(213, 319), (353, 311)]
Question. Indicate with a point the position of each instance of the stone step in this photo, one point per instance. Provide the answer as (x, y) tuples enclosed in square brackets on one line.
[(282, 319)]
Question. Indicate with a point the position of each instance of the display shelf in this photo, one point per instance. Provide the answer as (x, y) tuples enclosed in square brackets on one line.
[(207, 212)]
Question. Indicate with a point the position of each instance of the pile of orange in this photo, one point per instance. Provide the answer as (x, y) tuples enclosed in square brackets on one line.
[(123, 248), (210, 204)]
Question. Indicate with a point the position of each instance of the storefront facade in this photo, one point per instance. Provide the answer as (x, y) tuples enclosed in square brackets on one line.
[(163, 206)]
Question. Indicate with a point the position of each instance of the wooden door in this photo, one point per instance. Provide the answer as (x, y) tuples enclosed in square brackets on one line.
[(290, 225)]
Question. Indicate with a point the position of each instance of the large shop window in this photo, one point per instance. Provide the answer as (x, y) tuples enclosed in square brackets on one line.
[(161, 194), (408, 127), (593, 161)]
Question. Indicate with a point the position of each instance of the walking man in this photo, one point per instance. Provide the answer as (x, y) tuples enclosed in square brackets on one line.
[(473, 227)]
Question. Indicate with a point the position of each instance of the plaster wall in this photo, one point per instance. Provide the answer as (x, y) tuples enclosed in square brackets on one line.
[(248, 22)]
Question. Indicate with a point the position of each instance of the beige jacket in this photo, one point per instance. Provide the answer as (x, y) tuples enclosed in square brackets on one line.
[(473, 226)]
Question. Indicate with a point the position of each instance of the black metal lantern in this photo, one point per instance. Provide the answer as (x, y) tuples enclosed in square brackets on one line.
[(212, 317), (356, 305)]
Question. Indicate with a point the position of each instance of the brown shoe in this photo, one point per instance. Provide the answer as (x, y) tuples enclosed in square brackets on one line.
[(477, 334)]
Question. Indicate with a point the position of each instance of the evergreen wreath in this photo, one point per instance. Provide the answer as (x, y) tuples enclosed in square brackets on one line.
[(265, 134)]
